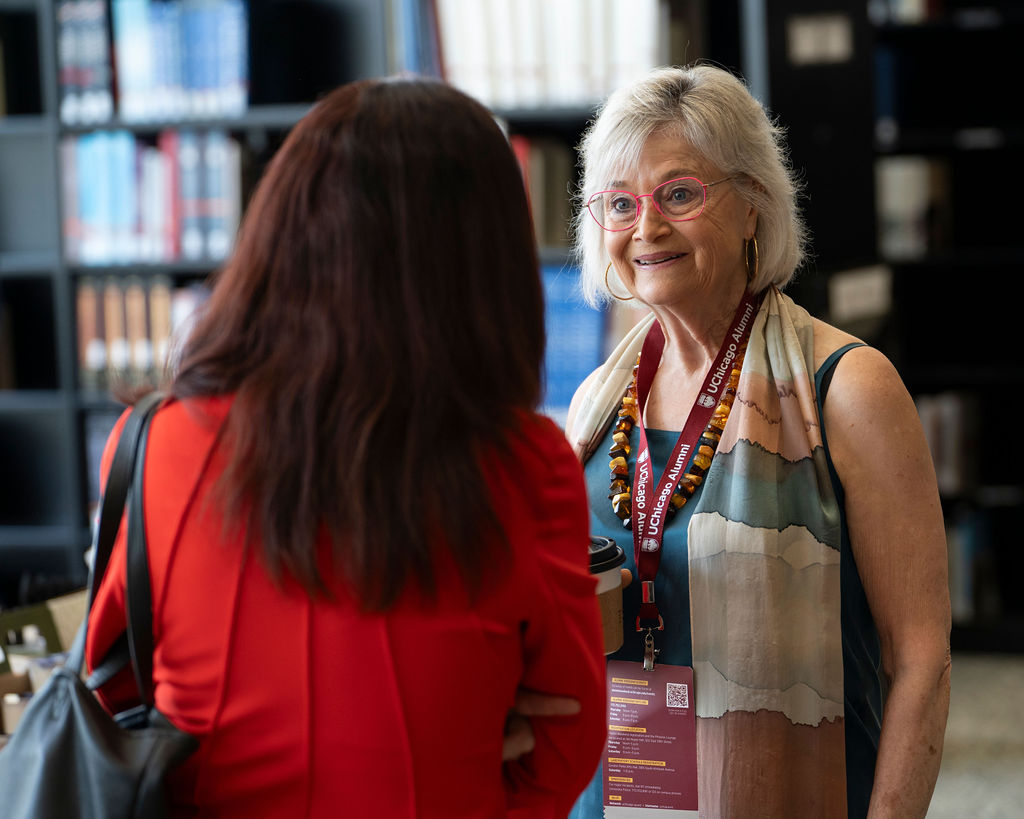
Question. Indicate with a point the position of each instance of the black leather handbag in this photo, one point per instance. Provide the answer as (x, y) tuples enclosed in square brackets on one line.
[(69, 758)]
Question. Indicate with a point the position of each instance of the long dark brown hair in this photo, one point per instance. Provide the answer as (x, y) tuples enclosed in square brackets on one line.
[(380, 325)]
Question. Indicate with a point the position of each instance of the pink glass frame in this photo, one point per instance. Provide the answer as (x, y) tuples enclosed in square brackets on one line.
[(639, 205)]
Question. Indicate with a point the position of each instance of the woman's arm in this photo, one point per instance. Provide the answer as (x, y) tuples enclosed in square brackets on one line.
[(519, 739), (898, 539), (562, 643)]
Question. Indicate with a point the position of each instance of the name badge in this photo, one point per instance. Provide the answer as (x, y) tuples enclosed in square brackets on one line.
[(650, 756)]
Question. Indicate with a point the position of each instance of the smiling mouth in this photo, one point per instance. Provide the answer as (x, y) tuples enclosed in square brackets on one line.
[(660, 260)]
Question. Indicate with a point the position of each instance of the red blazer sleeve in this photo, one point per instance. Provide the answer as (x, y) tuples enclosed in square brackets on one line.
[(563, 647)]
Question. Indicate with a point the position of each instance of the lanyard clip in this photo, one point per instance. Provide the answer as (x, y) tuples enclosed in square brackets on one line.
[(650, 652), (648, 609)]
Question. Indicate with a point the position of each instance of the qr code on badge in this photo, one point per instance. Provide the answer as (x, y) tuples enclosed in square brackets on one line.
[(677, 695)]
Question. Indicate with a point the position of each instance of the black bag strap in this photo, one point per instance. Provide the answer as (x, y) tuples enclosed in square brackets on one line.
[(116, 491), (138, 591), (125, 474)]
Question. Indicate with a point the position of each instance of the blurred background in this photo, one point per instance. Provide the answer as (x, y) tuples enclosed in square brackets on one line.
[(132, 133)]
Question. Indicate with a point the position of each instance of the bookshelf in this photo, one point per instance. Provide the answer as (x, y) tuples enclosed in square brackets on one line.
[(898, 124), (948, 149), (893, 105), (85, 109), (53, 418)]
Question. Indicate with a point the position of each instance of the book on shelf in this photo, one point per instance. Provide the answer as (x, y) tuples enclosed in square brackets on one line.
[(521, 148), (161, 326), (961, 545), (133, 53), (67, 61), (115, 330), (124, 200), (976, 535), (414, 44), (168, 80), (903, 12), (552, 167), (546, 164), (169, 213), (179, 59), (141, 366), (131, 327), (951, 426), (231, 51), (558, 53), (92, 341), (84, 66), (129, 199), (221, 193), (96, 98), (94, 197), (190, 195), (154, 205), (566, 58), (912, 202)]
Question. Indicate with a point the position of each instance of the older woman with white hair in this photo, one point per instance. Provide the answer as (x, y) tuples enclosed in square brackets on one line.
[(788, 549)]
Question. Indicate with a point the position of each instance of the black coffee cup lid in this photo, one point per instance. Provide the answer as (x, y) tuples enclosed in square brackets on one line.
[(605, 554)]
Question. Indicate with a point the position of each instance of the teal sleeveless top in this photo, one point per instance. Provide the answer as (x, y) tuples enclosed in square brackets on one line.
[(861, 650)]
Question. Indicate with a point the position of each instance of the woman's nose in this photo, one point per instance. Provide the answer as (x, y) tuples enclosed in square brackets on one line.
[(649, 219)]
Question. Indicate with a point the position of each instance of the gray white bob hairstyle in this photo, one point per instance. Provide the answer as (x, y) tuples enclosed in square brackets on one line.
[(714, 113)]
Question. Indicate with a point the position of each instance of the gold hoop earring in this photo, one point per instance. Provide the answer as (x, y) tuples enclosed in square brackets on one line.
[(751, 275), (608, 286)]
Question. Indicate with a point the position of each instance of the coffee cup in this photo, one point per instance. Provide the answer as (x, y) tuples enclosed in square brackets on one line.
[(606, 558)]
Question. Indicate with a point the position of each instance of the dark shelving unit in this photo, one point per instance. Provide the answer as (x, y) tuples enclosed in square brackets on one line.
[(935, 88), (954, 317), (44, 485)]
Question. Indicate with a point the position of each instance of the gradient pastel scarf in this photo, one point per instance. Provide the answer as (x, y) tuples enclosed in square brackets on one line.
[(764, 567)]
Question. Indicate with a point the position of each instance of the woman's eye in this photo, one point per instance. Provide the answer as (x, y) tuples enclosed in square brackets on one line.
[(622, 204), (679, 193)]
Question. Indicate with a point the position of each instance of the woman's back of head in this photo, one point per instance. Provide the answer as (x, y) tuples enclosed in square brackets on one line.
[(380, 321)]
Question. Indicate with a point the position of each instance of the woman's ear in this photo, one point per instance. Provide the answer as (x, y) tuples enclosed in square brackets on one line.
[(750, 226)]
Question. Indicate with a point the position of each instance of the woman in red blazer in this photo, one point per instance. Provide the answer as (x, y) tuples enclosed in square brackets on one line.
[(364, 542)]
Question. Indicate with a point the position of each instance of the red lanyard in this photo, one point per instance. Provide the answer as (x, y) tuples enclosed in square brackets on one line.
[(650, 504)]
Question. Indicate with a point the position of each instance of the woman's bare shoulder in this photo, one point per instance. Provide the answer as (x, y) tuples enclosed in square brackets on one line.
[(866, 383), (828, 339)]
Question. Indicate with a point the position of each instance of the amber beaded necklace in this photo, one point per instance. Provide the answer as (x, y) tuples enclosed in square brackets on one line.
[(620, 492)]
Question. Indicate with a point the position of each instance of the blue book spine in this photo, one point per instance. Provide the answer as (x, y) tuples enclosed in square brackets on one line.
[(190, 179), (133, 51), (163, 32), (175, 59), (207, 57), (214, 210), (124, 209), (232, 60), (90, 194), (190, 46), (412, 31)]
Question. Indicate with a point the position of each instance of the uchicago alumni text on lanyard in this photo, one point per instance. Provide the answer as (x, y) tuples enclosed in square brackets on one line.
[(651, 503)]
